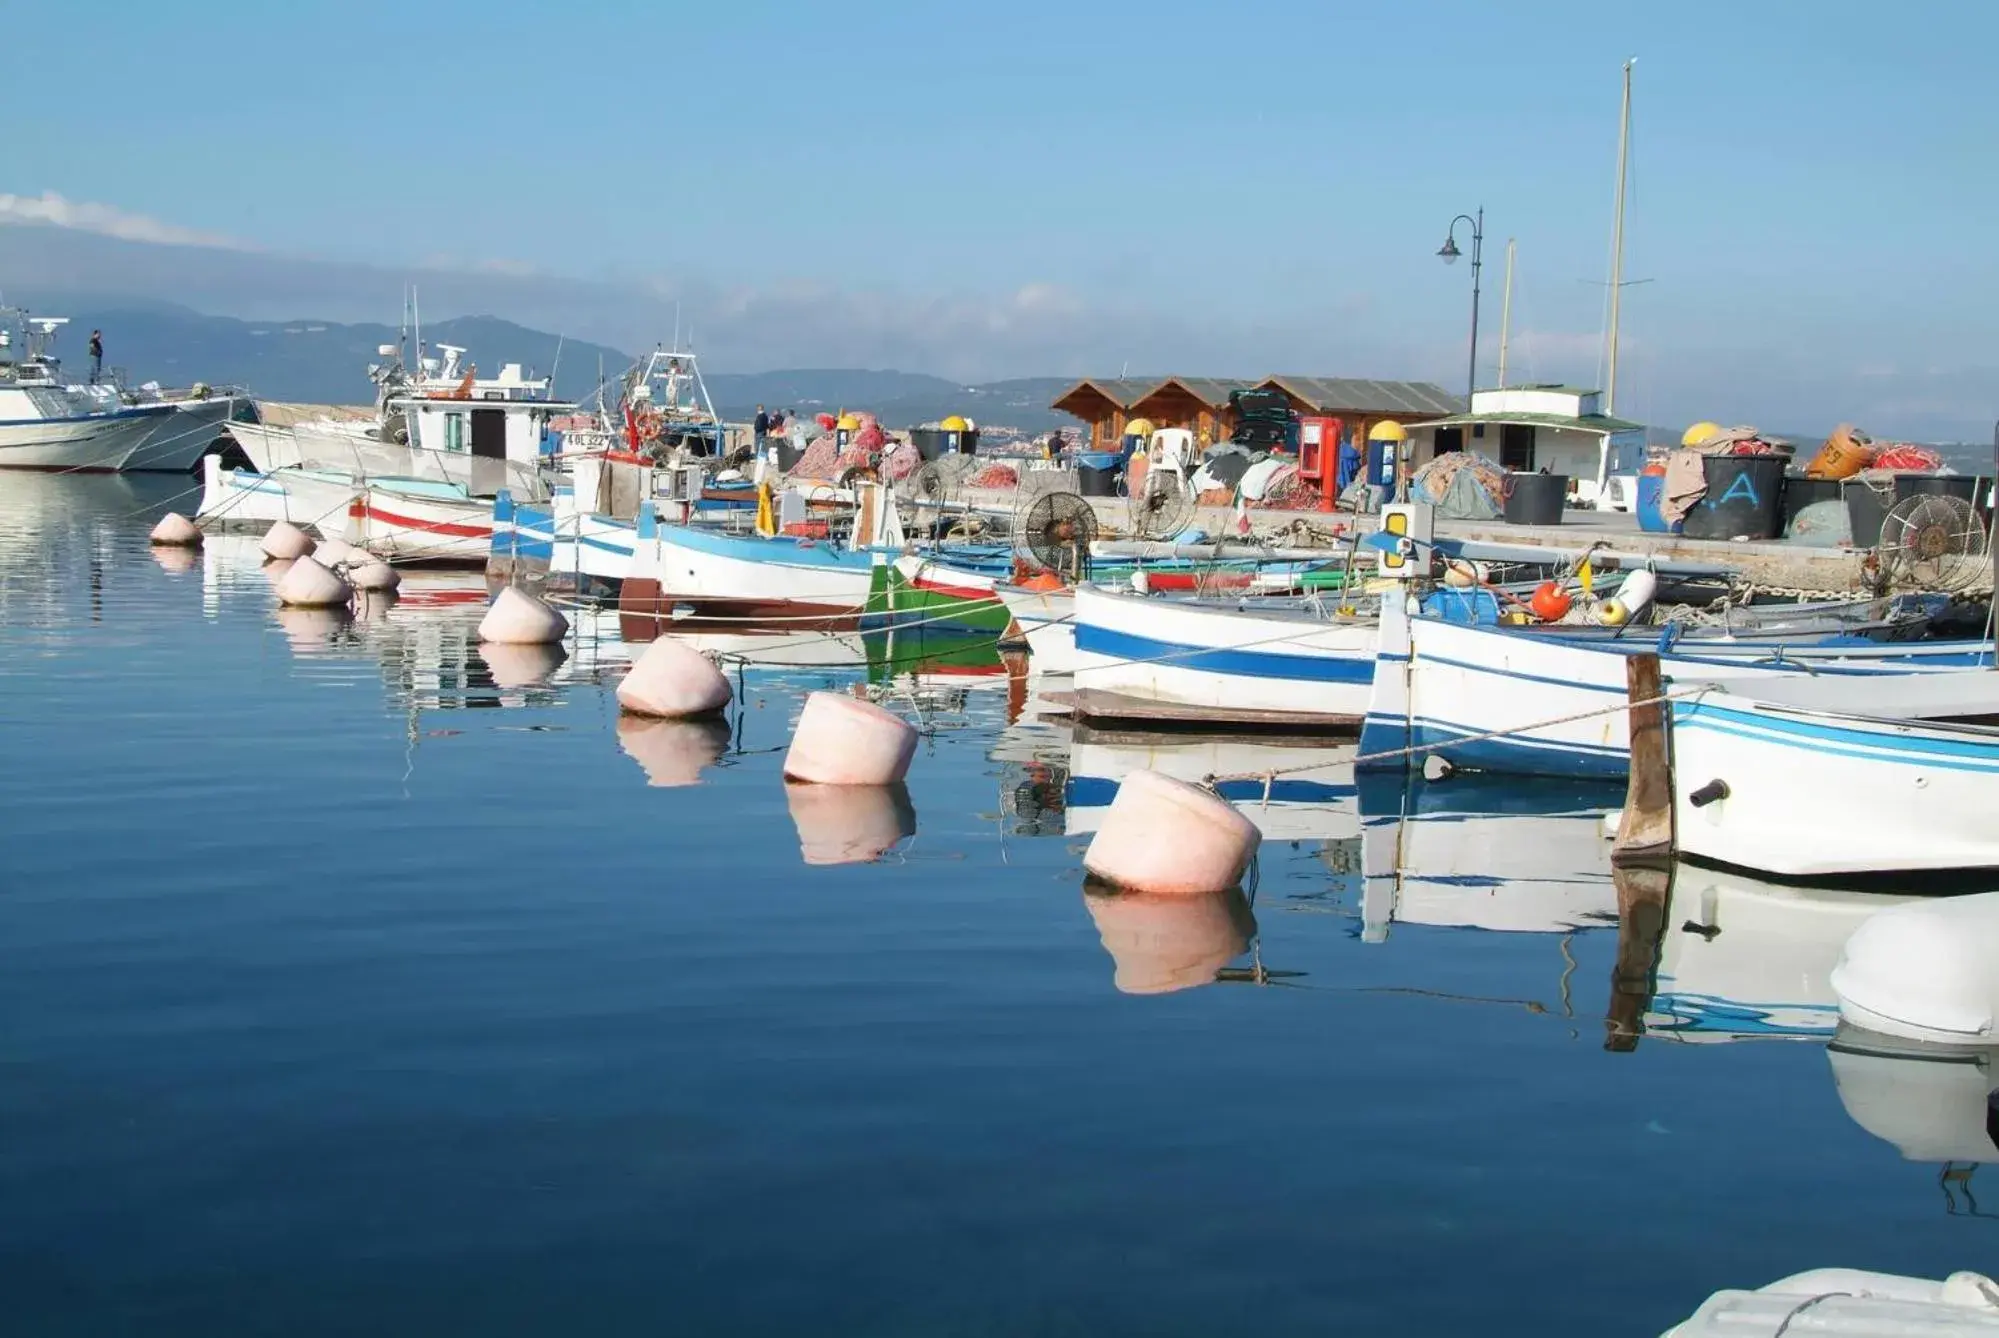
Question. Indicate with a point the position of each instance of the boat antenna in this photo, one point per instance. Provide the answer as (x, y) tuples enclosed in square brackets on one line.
[(558, 363), (1617, 240)]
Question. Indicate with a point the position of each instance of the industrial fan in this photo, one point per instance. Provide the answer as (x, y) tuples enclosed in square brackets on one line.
[(1056, 532), (931, 485), (1933, 542), (1162, 506)]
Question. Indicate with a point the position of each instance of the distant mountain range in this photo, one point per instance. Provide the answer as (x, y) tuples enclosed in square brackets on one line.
[(325, 362)]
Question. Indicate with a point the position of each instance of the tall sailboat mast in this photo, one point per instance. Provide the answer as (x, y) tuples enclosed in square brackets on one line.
[(1617, 238), (1506, 313)]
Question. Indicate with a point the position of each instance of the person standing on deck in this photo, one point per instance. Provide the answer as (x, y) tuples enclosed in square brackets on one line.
[(762, 427), (96, 356)]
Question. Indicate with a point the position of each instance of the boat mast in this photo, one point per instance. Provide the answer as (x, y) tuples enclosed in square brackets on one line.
[(1617, 238), (1505, 313)]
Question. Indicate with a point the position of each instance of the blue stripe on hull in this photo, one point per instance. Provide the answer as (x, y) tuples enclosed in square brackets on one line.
[(1357, 668), (1509, 756), (1097, 791)]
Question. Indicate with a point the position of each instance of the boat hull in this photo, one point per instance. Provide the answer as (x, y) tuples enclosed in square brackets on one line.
[(311, 499), (93, 444), (1047, 621), (179, 440), (1222, 663), (408, 526), (1813, 794), (1482, 697)]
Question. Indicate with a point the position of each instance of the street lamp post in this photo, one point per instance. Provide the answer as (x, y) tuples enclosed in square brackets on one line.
[(1449, 252)]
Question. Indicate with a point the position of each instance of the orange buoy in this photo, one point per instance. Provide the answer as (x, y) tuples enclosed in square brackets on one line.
[(1550, 602)]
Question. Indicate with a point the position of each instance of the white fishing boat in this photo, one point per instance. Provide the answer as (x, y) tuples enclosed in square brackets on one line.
[(421, 488), (1539, 702), (680, 571), (48, 423), (318, 500), (1901, 774), (179, 440), (1277, 663)]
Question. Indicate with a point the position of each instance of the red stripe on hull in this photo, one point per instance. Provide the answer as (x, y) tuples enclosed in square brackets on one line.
[(367, 512)]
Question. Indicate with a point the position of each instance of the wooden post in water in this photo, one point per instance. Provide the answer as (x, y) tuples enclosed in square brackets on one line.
[(1645, 832), (1642, 897)]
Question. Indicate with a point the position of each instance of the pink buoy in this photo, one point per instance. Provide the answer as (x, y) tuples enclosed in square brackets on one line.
[(332, 552), (842, 741), (176, 531), (849, 824), (521, 666), (1164, 942), (374, 575), (521, 619), (307, 585), (672, 753), (1164, 835), (671, 680), (286, 541)]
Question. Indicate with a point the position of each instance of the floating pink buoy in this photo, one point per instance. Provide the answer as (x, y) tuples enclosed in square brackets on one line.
[(286, 541), (672, 753), (522, 620), (176, 531), (310, 586), (331, 552), (672, 680), (374, 574), (849, 824), (1164, 942), (1164, 835), (841, 741)]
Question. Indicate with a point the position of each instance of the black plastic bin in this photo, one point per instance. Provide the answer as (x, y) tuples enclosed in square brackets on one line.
[(934, 442), (1744, 499), (1943, 485), (1096, 474), (1865, 507), (1536, 499), (1801, 492)]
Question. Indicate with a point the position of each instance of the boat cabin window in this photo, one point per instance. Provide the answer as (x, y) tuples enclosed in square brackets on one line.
[(1449, 439), (454, 432), (1516, 447)]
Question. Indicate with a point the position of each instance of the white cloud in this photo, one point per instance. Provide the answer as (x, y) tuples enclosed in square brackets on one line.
[(53, 211)]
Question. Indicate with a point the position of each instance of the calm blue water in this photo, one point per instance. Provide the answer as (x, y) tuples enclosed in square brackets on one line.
[(345, 990)]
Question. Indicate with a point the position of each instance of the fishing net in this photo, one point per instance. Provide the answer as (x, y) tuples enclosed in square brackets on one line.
[(1462, 485), (1287, 490), (995, 476), (901, 462)]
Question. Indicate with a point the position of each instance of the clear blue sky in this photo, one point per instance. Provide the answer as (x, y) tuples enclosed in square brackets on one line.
[(1812, 181)]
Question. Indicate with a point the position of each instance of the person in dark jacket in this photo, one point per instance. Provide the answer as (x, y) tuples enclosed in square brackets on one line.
[(762, 426), (96, 355)]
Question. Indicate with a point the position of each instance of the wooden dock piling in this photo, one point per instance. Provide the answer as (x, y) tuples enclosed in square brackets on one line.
[(1645, 831)]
